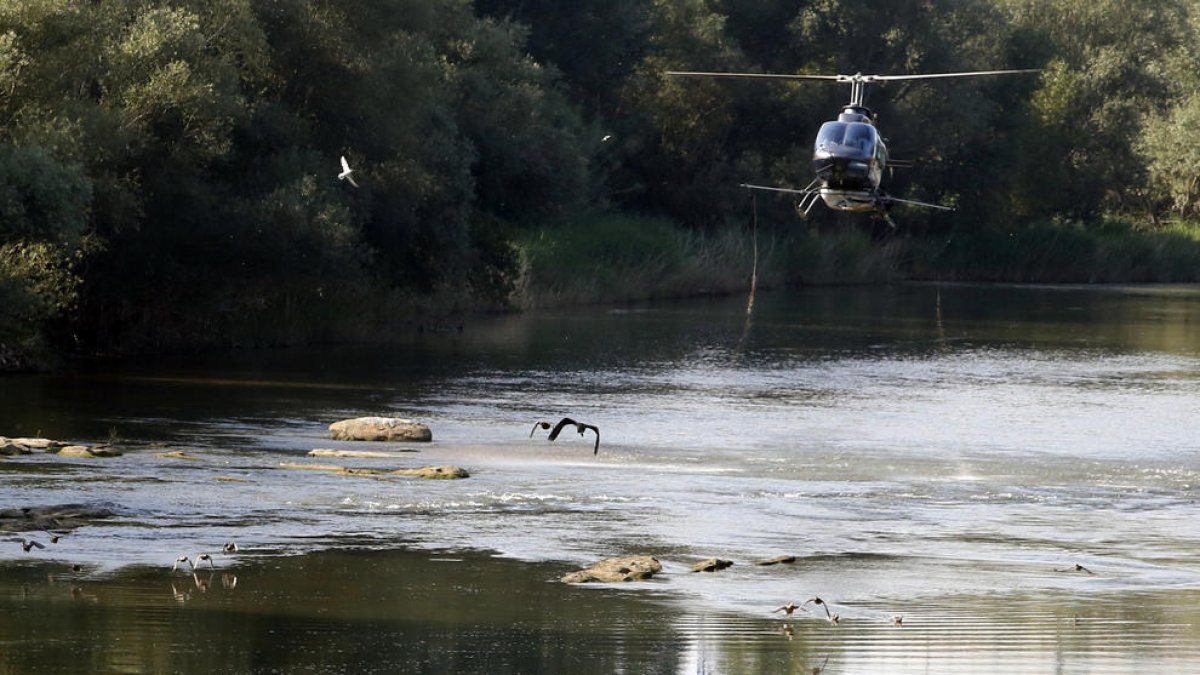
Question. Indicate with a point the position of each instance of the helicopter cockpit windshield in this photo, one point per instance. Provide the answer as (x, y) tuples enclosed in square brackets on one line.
[(847, 139)]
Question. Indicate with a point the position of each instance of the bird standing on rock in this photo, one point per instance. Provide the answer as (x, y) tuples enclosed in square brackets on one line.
[(565, 422)]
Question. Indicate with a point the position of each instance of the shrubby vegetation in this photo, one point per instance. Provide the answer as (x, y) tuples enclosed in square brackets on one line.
[(168, 167)]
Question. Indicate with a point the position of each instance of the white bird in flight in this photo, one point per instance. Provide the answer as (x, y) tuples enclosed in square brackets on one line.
[(346, 171)]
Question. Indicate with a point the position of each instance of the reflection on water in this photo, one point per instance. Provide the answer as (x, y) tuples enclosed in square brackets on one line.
[(325, 612), (396, 611), (947, 454)]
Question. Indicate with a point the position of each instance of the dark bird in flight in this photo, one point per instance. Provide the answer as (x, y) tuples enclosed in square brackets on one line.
[(55, 536), (1077, 568), (181, 560), (565, 422), (788, 608), (833, 618), (204, 557), (28, 544), (231, 547)]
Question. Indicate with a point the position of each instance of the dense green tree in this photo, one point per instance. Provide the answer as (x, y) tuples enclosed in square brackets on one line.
[(1105, 68), (1172, 155)]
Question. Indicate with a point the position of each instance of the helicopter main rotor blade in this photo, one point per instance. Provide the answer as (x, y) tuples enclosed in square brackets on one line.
[(753, 76), (857, 77), (930, 76)]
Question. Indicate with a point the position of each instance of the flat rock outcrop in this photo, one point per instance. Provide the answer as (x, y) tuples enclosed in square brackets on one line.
[(380, 429), (711, 565), (428, 472), (368, 454), (88, 451), (628, 568), (25, 446), (9, 448)]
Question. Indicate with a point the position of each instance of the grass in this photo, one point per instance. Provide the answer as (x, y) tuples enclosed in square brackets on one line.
[(605, 258), (1063, 252), (618, 257), (610, 258)]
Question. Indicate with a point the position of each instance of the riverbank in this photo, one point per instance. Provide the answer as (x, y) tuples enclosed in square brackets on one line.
[(617, 259)]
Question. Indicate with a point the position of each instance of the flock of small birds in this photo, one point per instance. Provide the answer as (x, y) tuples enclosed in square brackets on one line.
[(28, 545), (815, 600), (229, 581), (897, 620), (201, 558)]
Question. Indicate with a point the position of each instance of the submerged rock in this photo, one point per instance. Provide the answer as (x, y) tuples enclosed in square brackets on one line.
[(628, 568), (368, 454), (312, 467), (380, 429), (783, 559), (60, 517), (176, 454), (711, 565), (435, 472), (430, 472)]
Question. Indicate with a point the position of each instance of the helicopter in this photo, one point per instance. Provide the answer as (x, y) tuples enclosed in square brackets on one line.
[(849, 154)]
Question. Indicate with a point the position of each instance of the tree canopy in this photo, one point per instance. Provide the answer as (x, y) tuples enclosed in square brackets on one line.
[(168, 167)]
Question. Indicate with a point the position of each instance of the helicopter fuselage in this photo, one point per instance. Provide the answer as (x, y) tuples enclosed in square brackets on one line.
[(849, 157)]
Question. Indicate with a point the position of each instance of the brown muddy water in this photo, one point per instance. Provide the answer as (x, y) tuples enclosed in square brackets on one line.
[(944, 454)]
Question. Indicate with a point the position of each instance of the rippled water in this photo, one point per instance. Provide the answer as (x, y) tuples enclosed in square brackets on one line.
[(932, 452)]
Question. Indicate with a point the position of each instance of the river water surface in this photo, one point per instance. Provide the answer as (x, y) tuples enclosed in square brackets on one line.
[(944, 454)]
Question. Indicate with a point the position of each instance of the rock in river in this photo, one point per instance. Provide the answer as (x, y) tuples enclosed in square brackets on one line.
[(435, 472), (628, 568), (379, 429), (429, 472), (24, 446), (777, 560), (86, 451), (711, 565), (9, 448), (369, 454)]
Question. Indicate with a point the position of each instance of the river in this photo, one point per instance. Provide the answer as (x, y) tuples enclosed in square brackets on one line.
[(973, 478)]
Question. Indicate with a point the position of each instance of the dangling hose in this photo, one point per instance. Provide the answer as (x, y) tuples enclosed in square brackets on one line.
[(754, 239)]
